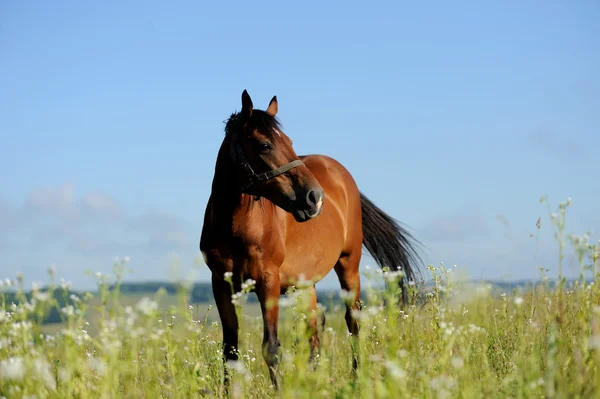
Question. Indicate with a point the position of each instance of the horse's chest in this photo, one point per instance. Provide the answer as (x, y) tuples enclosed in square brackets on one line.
[(237, 254)]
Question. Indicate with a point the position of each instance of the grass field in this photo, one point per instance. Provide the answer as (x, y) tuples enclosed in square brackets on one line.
[(461, 343)]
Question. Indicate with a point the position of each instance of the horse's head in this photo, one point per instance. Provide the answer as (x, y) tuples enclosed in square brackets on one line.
[(267, 165)]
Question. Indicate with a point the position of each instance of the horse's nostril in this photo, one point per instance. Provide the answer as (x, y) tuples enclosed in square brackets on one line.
[(311, 198)]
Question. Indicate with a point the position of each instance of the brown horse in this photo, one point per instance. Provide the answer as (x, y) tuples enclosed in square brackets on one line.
[(273, 216)]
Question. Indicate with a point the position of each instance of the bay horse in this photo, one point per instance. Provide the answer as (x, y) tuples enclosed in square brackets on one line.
[(273, 216)]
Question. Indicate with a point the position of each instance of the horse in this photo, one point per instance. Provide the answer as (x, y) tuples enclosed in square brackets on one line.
[(274, 217)]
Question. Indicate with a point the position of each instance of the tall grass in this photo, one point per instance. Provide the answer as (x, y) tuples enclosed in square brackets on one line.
[(462, 342)]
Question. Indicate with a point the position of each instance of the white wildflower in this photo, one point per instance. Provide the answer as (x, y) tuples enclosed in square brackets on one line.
[(12, 368), (518, 301), (237, 366), (74, 298), (287, 302), (65, 285), (347, 296), (303, 282), (248, 284), (359, 315), (15, 368), (41, 296), (394, 370), (97, 365), (537, 383), (69, 310), (457, 362), (146, 306), (594, 341), (235, 298)]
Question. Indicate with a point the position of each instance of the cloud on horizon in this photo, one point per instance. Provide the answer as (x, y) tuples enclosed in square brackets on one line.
[(93, 224)]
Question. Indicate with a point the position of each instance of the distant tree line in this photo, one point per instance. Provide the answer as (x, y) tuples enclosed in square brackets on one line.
[(53, 315), (202, 293)]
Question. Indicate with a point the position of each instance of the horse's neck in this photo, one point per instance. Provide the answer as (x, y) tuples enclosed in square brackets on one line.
[(227, 202)]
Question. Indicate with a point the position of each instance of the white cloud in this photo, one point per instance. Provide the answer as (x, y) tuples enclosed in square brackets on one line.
[(92, 224)]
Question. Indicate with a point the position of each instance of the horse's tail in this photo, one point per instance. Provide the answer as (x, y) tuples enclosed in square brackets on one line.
[(389, 244)]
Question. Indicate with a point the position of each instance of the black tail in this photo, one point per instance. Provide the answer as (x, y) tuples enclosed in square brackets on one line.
[(389, 243)]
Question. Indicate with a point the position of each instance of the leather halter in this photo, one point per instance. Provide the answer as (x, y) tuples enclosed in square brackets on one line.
[(237, 153)]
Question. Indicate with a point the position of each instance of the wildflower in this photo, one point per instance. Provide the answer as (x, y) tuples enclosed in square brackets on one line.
[(443, 385), (69, 310), (74, 298), (393, 276), (287, 302), (359, 315), (237, 366), (594, 342), (457, 362), (97, 365), (235, 298), (41, 296), (394, 370), (538, 383), (518, 301), (15, 368), (346, 295), (248, 284), (12, 368), (146, 306), (65, 285)]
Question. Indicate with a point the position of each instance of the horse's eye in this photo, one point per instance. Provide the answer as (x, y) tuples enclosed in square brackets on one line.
[(265, 147)]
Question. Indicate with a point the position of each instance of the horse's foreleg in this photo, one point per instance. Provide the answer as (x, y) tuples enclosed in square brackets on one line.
[(268, 291), (229, 321)]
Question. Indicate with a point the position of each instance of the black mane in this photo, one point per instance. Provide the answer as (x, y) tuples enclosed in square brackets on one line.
[(259, 120)]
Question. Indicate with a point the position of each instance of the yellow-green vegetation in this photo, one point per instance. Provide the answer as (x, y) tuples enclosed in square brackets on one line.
[(462, 341)]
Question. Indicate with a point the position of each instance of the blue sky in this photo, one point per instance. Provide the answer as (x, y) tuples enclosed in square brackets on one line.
[(454, 117)]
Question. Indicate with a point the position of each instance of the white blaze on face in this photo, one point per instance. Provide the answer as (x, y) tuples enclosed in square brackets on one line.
[(277, 132)]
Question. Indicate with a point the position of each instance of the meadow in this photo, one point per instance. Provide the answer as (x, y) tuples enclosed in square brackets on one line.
[(457, 340)]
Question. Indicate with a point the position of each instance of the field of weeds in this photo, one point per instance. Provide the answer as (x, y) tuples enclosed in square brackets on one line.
[(460, 342)]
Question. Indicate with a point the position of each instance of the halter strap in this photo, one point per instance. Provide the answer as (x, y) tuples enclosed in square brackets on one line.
[(238, 152)]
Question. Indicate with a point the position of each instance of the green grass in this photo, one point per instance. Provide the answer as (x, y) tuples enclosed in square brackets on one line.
[(463, 342)]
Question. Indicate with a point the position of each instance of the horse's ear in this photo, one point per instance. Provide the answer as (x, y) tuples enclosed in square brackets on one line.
[(272, 110), (246, 105)]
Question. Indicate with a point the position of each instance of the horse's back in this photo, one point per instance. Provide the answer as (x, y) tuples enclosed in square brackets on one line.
[(313, 247)]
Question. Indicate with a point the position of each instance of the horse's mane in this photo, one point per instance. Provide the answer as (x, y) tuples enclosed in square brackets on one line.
[(259, 120)]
